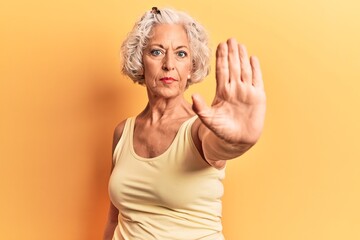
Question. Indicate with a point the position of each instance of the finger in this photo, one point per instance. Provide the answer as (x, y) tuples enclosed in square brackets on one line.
[(234, 60), (257, 80), (200, 107), (246, 71), (222, 66)]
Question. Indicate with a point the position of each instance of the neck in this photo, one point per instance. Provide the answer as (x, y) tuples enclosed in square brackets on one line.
[(172, 108)]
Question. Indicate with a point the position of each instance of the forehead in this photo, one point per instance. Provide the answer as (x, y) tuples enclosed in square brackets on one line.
[(169, 34)]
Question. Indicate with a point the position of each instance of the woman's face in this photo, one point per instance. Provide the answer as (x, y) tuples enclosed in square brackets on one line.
[(167, 61)]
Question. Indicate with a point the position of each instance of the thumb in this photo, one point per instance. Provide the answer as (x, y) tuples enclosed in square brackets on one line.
[(199, 106)]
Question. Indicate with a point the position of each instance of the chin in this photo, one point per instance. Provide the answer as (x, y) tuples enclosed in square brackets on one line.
[(170, 93), (167, 91)]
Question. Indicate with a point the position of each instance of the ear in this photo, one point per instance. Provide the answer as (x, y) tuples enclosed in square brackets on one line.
[(190, 72)]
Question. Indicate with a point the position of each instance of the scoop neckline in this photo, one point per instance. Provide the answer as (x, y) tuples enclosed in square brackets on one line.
[(138, 157)]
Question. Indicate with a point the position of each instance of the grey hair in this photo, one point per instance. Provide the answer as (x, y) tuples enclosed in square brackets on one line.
[(136, 41)]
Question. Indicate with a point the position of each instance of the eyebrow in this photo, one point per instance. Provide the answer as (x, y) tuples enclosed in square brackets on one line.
[(161, 46)]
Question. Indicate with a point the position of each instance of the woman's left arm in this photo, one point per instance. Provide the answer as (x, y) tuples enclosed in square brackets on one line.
[(235, 120)]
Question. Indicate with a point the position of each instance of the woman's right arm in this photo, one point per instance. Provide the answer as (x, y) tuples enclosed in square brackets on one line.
[(112, 221)]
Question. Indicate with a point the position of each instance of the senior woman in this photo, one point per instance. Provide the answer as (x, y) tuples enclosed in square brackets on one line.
[(169, 161)]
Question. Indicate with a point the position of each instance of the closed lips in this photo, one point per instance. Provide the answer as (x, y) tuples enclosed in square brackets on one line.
[(167, 79)]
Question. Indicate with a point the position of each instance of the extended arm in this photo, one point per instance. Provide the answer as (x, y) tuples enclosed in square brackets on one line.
[(235, 119)]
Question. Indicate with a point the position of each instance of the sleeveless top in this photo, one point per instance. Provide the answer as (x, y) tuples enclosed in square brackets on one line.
[(174, 196)]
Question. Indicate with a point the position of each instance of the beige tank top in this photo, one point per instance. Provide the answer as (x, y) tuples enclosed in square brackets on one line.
[(174, 196)]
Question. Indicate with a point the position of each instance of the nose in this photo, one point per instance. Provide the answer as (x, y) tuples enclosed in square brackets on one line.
[(168, 64)]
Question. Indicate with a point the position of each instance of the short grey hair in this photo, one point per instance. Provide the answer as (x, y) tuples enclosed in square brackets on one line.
[(136, 41)]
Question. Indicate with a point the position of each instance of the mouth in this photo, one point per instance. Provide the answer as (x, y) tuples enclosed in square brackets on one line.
[(167, 80)]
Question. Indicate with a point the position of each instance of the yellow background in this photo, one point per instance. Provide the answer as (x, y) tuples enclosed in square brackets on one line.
[(61, 95)]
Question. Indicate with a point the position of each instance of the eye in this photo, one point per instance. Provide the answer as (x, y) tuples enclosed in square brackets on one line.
[(156, 52), (182, 54)]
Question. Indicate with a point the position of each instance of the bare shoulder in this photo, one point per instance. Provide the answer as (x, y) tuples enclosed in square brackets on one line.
[(118, 133)]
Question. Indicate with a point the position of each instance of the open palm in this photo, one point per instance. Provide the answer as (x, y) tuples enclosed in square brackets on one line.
[(238, 109)]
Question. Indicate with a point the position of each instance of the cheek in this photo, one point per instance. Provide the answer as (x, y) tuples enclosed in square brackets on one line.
[(187, 68), (150, 71)]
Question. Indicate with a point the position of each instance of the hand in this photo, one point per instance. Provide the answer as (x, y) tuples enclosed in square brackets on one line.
[(238, 109)]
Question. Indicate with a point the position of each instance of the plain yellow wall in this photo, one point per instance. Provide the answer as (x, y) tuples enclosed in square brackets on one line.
[(61, 95)]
